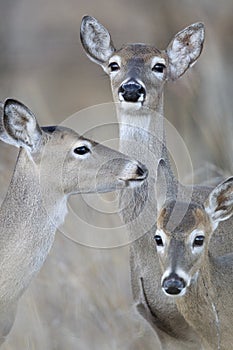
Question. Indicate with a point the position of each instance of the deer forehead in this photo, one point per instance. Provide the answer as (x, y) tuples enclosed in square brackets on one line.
[(65, 136), (59, 132), (139, 53), (182, 220)]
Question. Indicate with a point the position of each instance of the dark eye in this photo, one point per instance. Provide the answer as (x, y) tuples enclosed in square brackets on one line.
[(159, 67), (81, 150), (113, 66), (198, 241), (158, 240)]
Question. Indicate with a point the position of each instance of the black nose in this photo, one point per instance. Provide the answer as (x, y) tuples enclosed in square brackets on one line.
[(142, 172), (173, 284), (131, 91)]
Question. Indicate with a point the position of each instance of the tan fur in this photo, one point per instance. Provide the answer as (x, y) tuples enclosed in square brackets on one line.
[(142, 136), (207, 303)]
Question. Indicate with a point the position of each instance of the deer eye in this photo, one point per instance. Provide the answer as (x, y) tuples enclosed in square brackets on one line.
[(114, 66), (159, 67), (158, 240), (81, 150), (198, 241)]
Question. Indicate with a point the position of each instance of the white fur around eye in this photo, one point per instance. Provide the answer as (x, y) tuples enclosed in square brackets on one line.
[(193, 235), (116, 59), (82, 143), (159, 232), (113, 59), (158, 60)]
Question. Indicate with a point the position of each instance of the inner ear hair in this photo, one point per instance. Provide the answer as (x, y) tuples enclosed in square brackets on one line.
[(21, 125), (96, 40), (220, 202)]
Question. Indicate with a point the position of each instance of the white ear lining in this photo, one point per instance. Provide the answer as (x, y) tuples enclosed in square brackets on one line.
[(184, 49), (20, 125), (96, 40), (219, 205)]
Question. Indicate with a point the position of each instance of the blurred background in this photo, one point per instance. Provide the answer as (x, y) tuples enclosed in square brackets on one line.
[(81, 299)]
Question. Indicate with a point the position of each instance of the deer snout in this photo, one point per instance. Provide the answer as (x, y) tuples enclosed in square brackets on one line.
[(134, 173), (132, 91), (174, 285), (141, 172)]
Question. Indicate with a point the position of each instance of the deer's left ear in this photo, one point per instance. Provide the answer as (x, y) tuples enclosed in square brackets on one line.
[(184, 49), (3, 135), (219, 204)]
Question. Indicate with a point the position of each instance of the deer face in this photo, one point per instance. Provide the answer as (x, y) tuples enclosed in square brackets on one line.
[(91, 167), (66, 162), (183, 234), (181, 244), (138, 71)]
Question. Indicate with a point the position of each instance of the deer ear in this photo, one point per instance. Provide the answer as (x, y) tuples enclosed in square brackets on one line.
[(184, 49), (21, 126), (166, 185), (219, 204), (3, 135), (96, 40)]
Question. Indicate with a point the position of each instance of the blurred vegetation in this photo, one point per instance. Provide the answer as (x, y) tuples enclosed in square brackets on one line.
[(81, 299)]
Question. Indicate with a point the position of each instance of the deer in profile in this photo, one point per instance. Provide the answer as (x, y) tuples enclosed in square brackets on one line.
[(53, 163), (138, 73), (199, 283)]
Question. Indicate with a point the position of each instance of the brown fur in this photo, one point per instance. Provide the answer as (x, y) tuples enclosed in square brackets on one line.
[(207, 303)]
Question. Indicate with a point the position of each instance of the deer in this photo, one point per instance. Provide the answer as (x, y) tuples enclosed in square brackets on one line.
[(200, 284), (138, 73), (53, 163)]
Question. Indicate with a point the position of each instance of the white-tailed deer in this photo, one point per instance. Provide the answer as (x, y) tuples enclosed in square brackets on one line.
[(138, 73), (200, 284), (53, 163)]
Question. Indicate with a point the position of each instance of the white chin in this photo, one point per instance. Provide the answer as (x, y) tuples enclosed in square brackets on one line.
[(133, 184), (183, 292), (131, 105)]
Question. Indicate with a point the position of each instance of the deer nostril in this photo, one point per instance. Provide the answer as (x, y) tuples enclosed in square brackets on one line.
[(131, 86), (142, 172), (173, 285), (134, 172), (132, 91)]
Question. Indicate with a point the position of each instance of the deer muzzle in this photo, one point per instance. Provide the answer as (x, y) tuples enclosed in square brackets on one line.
[(174, 285), (132, 91), (134, 173)]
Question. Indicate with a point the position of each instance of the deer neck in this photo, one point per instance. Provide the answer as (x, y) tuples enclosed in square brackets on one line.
[(199, 306), (28, 225), (142, 134), (32, 188), (142, 137)]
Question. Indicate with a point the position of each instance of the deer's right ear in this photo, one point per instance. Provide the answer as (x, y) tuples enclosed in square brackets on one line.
[(166, 185), (161, 184), (21, 126), (96, 40), (219, 205)]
